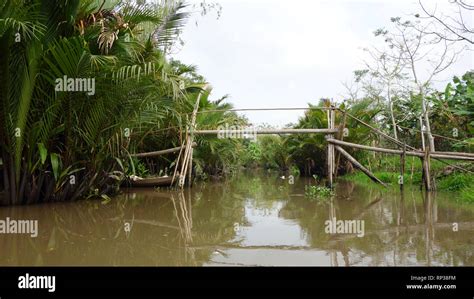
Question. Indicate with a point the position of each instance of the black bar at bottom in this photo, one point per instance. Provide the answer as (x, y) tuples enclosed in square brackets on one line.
[(290, 282)]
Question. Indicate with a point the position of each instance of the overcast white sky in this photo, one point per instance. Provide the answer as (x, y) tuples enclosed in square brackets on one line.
[(281, 53)]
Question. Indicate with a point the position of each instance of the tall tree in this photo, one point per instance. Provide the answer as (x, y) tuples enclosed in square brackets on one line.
[(424, 56), (48, 134), (386, 66), (458, 27)]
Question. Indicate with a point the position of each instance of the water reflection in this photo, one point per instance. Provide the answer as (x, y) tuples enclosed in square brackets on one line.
[(250, 220)]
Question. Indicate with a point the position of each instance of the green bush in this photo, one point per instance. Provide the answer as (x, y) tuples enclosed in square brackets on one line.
[(455, 182), (467, 195)]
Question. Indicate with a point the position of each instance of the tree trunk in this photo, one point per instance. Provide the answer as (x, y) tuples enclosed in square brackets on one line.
[(427, 121), (390, 104)]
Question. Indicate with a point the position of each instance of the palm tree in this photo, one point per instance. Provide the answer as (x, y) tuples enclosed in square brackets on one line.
[(64, 145), (308, 152)]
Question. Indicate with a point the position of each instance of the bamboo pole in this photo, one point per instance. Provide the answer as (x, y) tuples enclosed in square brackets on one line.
[(329, 150), (267, 131), (456, 154), (451, 157), (402, 168), (437, 157), (423, 147), (333, 156), (162, 152), (426, 169), (184, 163), (190, 168), (375, 149), (358, 165), (399, 152), (432, 178), (182, 175), (399, 143), (341, 137), (179, 157), (267, 109), (188, 158)]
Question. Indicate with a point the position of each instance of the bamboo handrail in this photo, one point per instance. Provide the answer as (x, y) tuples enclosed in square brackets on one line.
[(161, 152), (269, 109), (267, 131), (400, 152), (398, 142), (376, 149), (456, 154)]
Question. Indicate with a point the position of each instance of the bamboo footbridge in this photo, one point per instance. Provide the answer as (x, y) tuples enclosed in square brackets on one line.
[(335, 143)]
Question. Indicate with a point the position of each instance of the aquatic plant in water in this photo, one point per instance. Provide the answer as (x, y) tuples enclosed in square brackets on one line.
[(320, 193)]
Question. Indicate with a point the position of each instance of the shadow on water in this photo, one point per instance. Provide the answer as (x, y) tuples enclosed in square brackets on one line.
[(253, 219)]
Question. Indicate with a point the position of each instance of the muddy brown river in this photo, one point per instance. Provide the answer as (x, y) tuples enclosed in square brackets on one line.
[(252, 220)]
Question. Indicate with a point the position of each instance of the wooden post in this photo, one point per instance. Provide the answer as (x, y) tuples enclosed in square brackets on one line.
[(190, 169), (333, 155), (330, 151), (432, 178), (426, 169), (423, 175), (175, 172), (187, 161), (402, 168), (184, 163), (340, 137)]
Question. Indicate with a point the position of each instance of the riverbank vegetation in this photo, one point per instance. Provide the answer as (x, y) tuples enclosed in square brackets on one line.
[(59, 145), (63, 141), (451, 109), (447, 178)]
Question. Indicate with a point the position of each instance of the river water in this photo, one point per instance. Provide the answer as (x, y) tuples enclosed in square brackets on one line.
[(252, 219)]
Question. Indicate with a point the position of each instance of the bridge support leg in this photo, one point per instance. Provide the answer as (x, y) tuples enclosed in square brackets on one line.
[(402, 168), (330, 148), (429, 184)]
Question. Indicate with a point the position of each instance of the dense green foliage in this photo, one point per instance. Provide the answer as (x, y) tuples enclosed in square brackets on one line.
[(452, 115), (61, 144)]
